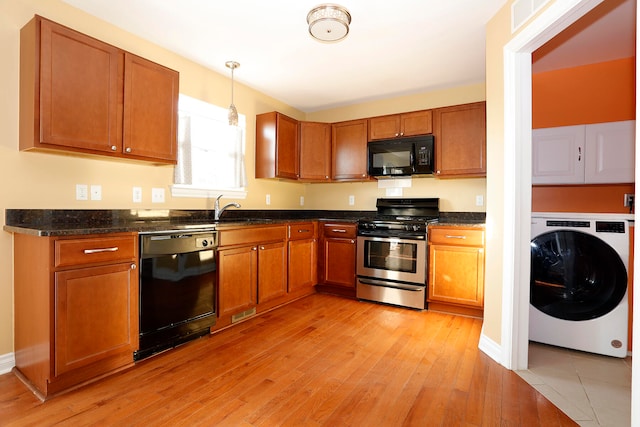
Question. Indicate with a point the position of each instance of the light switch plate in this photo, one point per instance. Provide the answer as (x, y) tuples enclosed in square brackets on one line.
[(82, 192)]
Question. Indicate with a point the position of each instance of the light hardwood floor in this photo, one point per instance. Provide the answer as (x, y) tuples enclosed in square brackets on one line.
[(320, 361)]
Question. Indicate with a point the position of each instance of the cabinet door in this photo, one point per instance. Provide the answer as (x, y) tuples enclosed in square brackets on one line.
[(272, 271), (315, 151), (416, 123), (150, 110), (276, 146), (384, 127), (237, 279), (456, 275), (339, 262), (558, 155), (460, 137), (302, 264), (96, 317), (79, 91), (349, 150), (610, 152)]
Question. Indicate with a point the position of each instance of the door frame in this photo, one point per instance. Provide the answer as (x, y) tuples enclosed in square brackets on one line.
[(517, 183)]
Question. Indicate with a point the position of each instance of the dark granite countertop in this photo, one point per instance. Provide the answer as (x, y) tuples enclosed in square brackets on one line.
[(61, 222)]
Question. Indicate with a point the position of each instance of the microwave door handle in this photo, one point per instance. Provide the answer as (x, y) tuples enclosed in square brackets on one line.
[(412, 161)]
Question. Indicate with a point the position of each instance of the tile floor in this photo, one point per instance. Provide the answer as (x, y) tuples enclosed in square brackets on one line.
[(593, 390)]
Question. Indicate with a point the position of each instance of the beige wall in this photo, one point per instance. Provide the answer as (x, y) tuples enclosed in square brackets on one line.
[(44, 181)]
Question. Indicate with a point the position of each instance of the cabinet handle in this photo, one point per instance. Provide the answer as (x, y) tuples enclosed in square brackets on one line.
[(128, 149), (449, 236), (337, 230), (114, 148), (96, 251), (579, 153), (303, 231), (133, 266)]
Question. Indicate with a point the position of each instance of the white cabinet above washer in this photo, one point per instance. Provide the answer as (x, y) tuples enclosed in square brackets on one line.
[(584, 154)]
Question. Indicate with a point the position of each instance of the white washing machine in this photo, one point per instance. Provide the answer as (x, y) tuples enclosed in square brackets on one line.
[(579, 265)]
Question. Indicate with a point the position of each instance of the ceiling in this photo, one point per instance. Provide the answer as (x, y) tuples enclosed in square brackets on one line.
[(393, 48)]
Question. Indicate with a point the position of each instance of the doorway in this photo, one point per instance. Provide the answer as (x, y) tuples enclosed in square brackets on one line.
[(517, 167)]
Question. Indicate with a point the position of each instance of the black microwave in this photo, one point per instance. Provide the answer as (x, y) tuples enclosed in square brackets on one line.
[(401, 156)]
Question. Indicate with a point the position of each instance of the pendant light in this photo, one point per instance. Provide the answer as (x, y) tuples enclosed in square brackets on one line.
[(233, 113)]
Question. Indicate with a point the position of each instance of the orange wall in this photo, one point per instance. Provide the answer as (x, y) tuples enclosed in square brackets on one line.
[(596, 93)]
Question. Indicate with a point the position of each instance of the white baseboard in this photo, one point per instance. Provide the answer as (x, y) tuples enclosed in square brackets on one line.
[(7, 362), (491, 348)]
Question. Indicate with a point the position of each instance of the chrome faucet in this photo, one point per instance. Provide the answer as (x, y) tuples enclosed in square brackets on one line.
[(217, 210)]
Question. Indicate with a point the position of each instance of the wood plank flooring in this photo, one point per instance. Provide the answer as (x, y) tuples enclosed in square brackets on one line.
[(320, 361)]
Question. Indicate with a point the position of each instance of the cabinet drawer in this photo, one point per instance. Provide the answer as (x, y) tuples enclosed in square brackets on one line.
[(456, 236), (302, 231), (347, 231), (95, 250), (249, 235)]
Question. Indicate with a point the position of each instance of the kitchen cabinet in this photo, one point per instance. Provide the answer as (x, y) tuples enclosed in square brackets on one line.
[(456, 269), (460, 136), (252, 269), (78, 94), (303, 259), (76, 308), (349, 150), (315, 151), (584, 154), (400, 125), (337, 262), (276, 146)]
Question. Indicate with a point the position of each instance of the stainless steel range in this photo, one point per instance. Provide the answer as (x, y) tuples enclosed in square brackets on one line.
[(392, 252)]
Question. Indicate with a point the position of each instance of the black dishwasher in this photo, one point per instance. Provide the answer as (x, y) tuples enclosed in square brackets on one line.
[(177, 295)]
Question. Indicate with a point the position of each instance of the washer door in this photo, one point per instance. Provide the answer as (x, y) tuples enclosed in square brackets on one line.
[(575, 276)]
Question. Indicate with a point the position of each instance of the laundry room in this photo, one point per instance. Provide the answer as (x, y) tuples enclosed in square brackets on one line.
[(583, 152)]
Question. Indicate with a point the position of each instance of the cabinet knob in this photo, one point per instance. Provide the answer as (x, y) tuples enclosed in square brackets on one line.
[(397, 134), (127, 150), (254, 248), (401, 133), (133, 266), (262, 248), (114, 148)]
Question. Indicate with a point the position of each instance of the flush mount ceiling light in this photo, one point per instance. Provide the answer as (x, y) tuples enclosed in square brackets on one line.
[(233, 113), (329, 22)]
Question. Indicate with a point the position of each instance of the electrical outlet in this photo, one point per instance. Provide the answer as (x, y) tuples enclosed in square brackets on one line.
[(137, 194), (268, 199), (157, 195), (479, 200), (96, 192), (301, 200), (352, 200), (82, 192), (628, 199)]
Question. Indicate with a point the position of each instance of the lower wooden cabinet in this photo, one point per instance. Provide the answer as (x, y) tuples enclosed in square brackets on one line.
[(456, 270), (337, 262), (76, 308), (262, 267), (303, 265)]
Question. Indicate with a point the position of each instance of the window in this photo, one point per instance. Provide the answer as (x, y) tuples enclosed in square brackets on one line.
[(210, 152)]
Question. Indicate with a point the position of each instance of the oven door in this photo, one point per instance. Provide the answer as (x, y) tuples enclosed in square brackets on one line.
[(391, 258)]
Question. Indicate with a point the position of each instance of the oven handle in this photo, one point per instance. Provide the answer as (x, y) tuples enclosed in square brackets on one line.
[(385, 284)]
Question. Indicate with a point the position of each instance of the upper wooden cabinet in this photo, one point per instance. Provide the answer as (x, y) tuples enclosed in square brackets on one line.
[(78, 94), (276, 146), (315, 151), (460, 135), (349, 150), (400, 125)]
